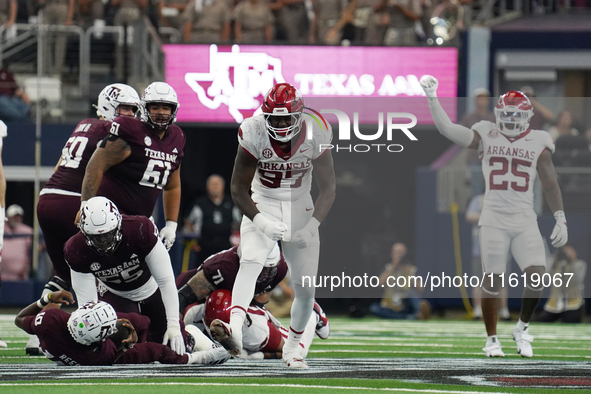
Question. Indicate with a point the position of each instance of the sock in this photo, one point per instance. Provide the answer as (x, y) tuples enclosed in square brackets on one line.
[(477, 311), (301, 310), (492, 339), (242, 293), (522, 326), (504, 313), (308, 335)]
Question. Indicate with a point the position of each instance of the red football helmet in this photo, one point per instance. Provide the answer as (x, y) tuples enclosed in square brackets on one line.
[(218, 306), (513, 112), (282, 108)]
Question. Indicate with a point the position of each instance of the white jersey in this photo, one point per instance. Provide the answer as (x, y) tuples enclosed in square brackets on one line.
[(280, 175), (510, 169)]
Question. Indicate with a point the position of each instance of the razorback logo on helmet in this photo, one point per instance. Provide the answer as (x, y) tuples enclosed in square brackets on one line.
[(513, 113), (514, 99)]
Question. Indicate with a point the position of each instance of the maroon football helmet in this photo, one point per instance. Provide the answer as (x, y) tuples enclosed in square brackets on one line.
[(218, 306), (513, 112), (282, 108)]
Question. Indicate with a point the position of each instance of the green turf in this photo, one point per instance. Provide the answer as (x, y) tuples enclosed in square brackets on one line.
[(359, 338)]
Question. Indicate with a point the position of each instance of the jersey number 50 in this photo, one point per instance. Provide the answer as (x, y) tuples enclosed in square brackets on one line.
[(504, 185)]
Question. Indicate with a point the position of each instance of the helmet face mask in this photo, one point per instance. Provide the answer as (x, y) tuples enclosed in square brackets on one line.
[(115, 99), (152, 113), (282, 108), (513, 113), (93, 322), (100, 223)]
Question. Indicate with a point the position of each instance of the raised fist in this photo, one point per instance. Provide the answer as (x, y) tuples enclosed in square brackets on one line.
[(429, 85)]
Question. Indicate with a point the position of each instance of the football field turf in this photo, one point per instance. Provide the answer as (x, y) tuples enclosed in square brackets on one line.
[(361, 355)]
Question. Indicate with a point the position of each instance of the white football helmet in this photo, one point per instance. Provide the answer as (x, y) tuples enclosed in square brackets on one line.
[(513, 113), (163, 93), (100, 222), (93, 322), (283, 101), (112, 96)]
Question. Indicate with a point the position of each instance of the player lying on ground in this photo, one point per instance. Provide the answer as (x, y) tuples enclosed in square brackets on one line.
[(263, 336), (512, 156), (95, 334)]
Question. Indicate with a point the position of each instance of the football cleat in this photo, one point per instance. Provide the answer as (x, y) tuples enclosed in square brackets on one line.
[(2, 343), (493, 348), (523, 342), (215, 356), (32, 348), (222, 332), (323, 326), (292, 357)]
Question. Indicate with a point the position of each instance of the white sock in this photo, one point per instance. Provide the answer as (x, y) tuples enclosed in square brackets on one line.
[(522, 326), (242, 293), (308, 335), (492, 339), (301, 310), (504, 313), (477, 311)]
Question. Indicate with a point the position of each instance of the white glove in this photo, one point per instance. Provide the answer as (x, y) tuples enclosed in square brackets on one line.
[(429, 85), (303, 237), (168, 234), (271, 228), (246, 355), (559, 235), (174, 336)]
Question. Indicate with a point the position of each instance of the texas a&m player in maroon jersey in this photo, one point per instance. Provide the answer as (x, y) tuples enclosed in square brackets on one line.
[(89, 336), (131, 265), (219, 272), (140, 158), (59, 199)]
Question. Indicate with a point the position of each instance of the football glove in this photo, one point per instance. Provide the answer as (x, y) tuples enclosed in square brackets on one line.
[(174, 338), (271, 228), (429, 85), (559, 235), (302, 238), (168, 234)]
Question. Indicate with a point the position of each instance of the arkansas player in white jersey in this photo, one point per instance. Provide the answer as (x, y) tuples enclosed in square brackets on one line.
[(511, 155), (277, 155)]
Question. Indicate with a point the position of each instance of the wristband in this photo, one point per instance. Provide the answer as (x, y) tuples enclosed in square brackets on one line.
[(44, 301)]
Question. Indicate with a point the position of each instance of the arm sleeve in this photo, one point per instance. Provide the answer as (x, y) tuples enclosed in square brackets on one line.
[(158, 260), (84, 285), (458, 134)]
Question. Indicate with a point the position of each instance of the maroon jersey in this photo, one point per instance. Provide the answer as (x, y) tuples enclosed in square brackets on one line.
[(51, 326), (134, 185), (125, 269), (221, 269), (76, 153)]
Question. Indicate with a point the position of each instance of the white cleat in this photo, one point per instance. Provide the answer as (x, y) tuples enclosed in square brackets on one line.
[(293, 358), (323, 325), (222, 332), (2, 343), (523, 342), (215, 356), (32, 347), (493, 348)]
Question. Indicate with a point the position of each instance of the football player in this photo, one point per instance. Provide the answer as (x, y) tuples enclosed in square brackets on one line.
[(89, 336), (219, 271), (263, 336), (3, 133), (59, 200), (131, 265), (276, 155), (512, 156), (141, 157)]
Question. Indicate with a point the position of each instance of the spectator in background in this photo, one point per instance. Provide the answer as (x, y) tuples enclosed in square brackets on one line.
[(566, 301), (481, 112), (330, 18), (3, 133), (18, 241), (171, 13), (401, 302), (473, 216), (452, 12), (588, 137), (563, 126), (207, 22), (90, 11), (128, 12), (293, 17), (14, 102), (213, 218), (253, 22), (8, 10), (542, 114), (403, 15), (370, 24), (56, 12)]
